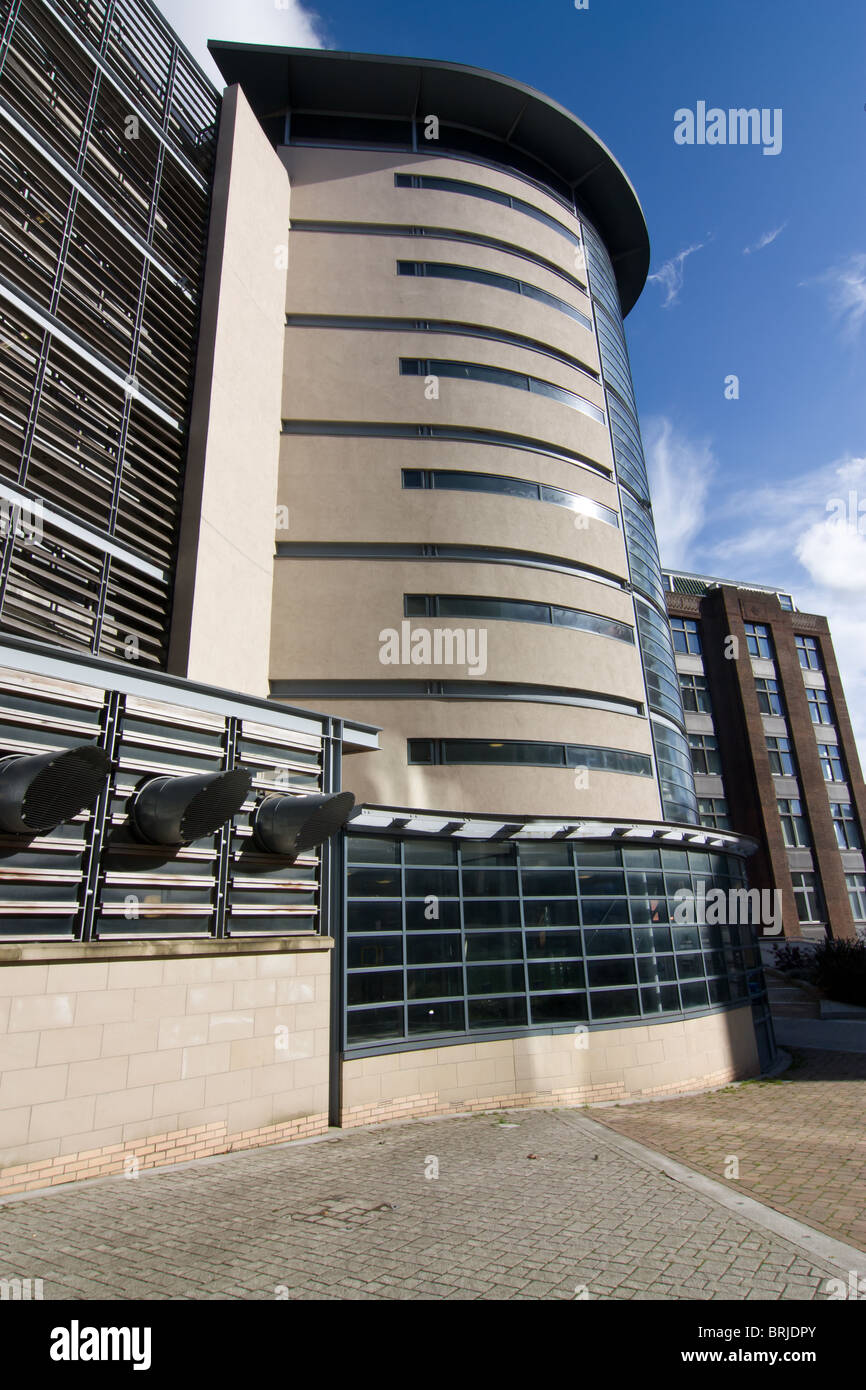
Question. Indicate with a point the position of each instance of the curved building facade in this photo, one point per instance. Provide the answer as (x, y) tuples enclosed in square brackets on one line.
[(468, 509), (465, 557), (336, 486)]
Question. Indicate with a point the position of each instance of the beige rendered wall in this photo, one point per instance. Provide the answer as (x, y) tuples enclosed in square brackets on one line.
[(383, 778), (369, 600), (359, 496), (343, 489), (107, 1065), (222, 607), (576, 1068), (342, 185)]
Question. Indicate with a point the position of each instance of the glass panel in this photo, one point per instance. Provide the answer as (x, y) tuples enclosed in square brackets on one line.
[(553, 943), (652, 939), (494, 979), (662, 999), (496, 854), (487, 914), (374, 883), (689, 967), (558, 884), (615, 1003), (544, 855), (559, 1008), (556, 974), (612, 941), (611, 972), (436, 1018), (372, 951), (372, 849), (489, 883), (604, 910), (421, 883), (430, 852), (497, 1013), (542, 912), (374, 1025), (370, 989), (694, 995), (607, 883), (443, 949), (494, 945), (422, 916), (650, 968), (434, 983), (364, 917)]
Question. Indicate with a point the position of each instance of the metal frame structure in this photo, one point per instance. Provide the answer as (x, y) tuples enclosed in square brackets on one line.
[(108, 129), (668, 971), (91, 878)]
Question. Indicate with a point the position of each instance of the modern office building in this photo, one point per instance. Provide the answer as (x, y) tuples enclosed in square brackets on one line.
[(773, 747), (321, 441)]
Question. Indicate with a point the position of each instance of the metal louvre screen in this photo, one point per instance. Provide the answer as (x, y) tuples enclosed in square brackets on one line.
[(107, 134), (92, 877)]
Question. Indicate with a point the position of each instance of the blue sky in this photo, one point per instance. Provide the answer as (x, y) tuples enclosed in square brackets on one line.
[(758, 265)]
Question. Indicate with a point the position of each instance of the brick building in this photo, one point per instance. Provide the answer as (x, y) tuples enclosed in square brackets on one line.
[(773, 747)]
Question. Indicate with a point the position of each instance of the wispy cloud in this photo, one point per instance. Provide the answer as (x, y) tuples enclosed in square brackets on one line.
[(766, 240), (681, 471), (670, 275), (249, 21), (807, 535), (846, 292)]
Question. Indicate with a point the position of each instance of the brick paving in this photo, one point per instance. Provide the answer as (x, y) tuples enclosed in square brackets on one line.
[(800, 1139), (527, 1205)]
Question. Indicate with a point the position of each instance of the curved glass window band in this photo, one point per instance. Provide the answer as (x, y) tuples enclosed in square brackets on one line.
[(514, 610), (443, 479), (499, 376), (529, 753), (490, 195), (443, 270)]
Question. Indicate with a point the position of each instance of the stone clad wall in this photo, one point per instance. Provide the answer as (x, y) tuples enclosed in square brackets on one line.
[(110, 1065), (555, 1069)]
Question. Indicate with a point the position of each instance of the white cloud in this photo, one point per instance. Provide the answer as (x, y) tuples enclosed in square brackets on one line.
[(834, 553), (670, 276), (248, 21), (807, 536), (846, 291), (680, 471), (766, 525), (766, 240)]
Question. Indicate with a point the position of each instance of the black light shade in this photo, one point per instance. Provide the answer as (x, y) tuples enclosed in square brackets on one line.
[(38, 793), (177, 810), (289, 825)]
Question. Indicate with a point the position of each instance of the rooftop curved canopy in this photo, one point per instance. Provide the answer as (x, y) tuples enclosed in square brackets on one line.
[(276, 79)]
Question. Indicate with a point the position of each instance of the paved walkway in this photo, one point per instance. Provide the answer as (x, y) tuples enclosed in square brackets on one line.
[(800, 1140), (528, 1205)]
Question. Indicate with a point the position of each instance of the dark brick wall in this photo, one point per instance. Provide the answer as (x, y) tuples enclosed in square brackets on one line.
[(749, 785)]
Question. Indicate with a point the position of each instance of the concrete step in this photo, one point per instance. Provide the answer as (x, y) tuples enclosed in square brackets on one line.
[(831, 1009), (790, 1001), (793, 1011)]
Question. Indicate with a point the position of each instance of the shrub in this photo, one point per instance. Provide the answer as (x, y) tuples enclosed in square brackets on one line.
[(790, 958), (839, 970)]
